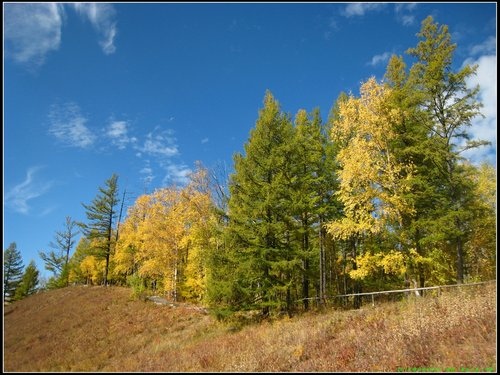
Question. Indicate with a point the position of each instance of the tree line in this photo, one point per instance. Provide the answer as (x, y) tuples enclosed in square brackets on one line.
[(373, 197)]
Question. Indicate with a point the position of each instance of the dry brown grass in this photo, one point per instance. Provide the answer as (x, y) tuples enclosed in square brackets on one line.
[(102, 329)]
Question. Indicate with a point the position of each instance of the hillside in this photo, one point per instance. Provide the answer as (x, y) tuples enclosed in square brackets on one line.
[(103, 329)]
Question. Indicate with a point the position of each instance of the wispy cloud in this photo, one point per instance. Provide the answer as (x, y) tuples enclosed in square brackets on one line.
[(488, 47), (205, 140), (380, 59), (31, 31), (147, 173), (160, 143), (403, 13), (177, 174), (359, 9), (401, 7), (67, 124), (331, 26), (117, 131), (484, 128), (407, 20), (18, 196), (102, 18)]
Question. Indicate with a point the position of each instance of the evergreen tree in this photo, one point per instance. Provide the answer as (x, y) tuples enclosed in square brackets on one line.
[(29, 282), (305, 195), (413, 146), (12, 270), (449, 106), (57, 260), (260, 218), (101, 215), (313, 201)]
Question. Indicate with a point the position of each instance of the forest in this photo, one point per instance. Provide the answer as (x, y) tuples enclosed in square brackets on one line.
[(376, 197)]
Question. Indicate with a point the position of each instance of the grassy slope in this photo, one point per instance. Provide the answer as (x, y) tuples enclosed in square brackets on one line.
[(102, 329)]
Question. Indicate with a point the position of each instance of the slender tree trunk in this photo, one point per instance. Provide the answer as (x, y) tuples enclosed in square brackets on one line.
[(420, 268), (120, 216), (460, 261), (305, 262), (321, 265), (265, 309), (357, 283), (108, 244), (289, 302), (305, 284)]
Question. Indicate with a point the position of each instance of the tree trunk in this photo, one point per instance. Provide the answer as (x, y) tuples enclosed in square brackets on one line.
[(460, 261), (357, 283)]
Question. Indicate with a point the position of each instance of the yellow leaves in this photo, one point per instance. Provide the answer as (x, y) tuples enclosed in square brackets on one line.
[(92, 269), (372, 183), (349, 227), (392, 263), (416, 258), (165, 230)]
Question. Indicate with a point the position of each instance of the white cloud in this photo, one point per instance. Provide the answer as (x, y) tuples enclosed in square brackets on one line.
[(359, 9), (102, 18), (407, 20), (178, 174), (148, 172), (67, 124), (405, 6), (118, 132), (403, 11), (17, 198), (160, 144), (484, 128), (32, 30), (489, 46), (380, 59)]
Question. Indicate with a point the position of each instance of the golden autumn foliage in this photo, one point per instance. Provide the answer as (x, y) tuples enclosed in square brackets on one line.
[(393, 263), (372, 181), (91, 269), (164, 236)]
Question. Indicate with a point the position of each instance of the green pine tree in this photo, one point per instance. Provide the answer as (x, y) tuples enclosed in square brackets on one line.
[(101, 215), (57, 260), (29, 282), (313, 200), (259, 210), (12, 271), (449, 106)]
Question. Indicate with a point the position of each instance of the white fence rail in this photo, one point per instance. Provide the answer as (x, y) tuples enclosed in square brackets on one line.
[(407, 291)]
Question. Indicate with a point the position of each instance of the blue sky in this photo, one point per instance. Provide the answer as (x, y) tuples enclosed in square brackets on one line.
[(145, 90)]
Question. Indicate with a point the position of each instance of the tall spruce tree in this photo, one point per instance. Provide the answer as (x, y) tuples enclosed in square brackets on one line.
[(313, 200), (12, 270), (305, 196), (101, 215), (260, 218), (450, 105), (413, 146)]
